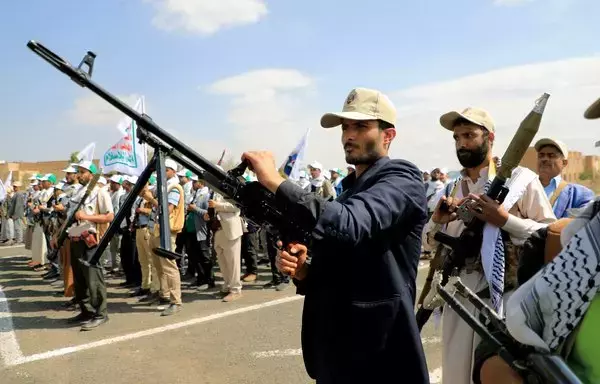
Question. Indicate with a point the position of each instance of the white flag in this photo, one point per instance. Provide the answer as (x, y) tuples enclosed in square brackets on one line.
[(5, 186), (2, 191), (127, 156), (8, 181), (291, 166), (87, 153)]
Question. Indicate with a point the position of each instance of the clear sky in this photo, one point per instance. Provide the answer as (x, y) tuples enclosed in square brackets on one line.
[(255, 74)]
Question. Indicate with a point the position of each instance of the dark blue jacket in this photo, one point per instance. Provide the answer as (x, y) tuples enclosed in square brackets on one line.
[(358, 323)]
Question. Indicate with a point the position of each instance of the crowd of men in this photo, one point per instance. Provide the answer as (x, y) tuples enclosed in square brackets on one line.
[(207, 231), (377, 219)]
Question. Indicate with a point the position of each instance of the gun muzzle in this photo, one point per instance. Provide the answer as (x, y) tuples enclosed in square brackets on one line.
[(166, 254)]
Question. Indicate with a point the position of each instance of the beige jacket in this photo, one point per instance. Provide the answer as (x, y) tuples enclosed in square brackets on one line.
[(231, 222)]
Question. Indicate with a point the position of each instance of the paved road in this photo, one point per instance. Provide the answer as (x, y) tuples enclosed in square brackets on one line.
[(253, 340)]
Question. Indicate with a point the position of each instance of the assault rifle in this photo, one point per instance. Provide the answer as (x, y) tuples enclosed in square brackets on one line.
[(256, 203), (534, 367), (62, 234)]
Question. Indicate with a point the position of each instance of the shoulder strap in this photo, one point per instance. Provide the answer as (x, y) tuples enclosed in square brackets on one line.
[(553, 245), (449, 188), (465, 187), (557, 192)]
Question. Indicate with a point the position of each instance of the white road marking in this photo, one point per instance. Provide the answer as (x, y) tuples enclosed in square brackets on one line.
[(435, 377), (11, 247), (10, 351), (149, 332), (277, 353), (431, 340), (298, 352)]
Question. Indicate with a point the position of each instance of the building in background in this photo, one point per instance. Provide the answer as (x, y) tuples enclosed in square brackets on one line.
[(22, 171), (580, 168)]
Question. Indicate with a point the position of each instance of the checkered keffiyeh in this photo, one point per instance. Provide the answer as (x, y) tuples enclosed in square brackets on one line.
[(548, 307)]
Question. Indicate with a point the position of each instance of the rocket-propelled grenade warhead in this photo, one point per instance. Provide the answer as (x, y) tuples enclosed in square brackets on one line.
[(523, 138)]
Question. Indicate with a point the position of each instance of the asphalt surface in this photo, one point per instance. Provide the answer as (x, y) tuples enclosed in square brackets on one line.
[(253, 340)]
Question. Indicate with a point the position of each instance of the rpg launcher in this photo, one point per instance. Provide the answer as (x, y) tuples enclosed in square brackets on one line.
[(468, 244), (256, 203)]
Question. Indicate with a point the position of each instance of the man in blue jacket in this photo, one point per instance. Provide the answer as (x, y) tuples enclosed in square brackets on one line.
[(358, 323), (552, 158)]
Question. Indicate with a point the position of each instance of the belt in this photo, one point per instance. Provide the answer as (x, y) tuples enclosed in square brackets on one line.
[(141, 226)]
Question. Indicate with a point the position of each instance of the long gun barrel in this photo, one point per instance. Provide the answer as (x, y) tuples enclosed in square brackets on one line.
[(534, 367), (256, 202)]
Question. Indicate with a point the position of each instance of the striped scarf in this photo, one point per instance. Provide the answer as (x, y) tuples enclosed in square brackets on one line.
[(492, 249), (496, 280), (548, 307)]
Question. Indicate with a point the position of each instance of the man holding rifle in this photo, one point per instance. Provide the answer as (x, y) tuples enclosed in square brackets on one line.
[(474, 133), (90, 288), (567, 318), (358, 324)]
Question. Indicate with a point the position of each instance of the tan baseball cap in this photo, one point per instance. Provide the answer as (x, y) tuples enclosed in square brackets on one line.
[(476, 116), (593, 111), (362, 104), (562, 147)]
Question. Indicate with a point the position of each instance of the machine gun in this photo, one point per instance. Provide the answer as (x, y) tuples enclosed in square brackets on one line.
[(534, 367), (468, 244), (62, 234), (256, 202)]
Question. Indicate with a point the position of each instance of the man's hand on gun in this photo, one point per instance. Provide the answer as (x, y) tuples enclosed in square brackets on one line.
[(263, 164), (481, 206), (445, 211), (292, 260), (488, 210)]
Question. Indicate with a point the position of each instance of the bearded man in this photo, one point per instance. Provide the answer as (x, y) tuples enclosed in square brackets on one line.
[(525, 210)]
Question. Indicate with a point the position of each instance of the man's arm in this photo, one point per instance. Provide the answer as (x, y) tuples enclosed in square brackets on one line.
[(536, 210), (363, 216), (19, 209), (223, 206), (174, 199), (583, 195), (11, 206), (201, 206), (329, 190)]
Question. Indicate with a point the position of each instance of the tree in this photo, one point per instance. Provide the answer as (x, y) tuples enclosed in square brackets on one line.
[(587, 175), (73, 158)]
